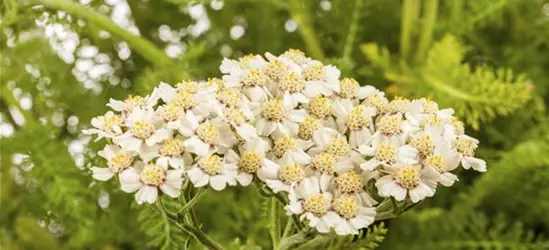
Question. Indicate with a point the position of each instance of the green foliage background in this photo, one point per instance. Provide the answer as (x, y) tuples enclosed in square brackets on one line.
[(489, 59)]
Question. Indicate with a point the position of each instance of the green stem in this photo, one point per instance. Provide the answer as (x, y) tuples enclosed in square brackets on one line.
[(274, 229), (191, 229), (430, 11), (290, 242), (188, 205), (288, 229), (142, 46), (409, 14), (351, 36), (301, 15), (456, 11)]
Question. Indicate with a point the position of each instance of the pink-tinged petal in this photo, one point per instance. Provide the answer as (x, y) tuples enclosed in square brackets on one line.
[(294, 208), (146, 194), (448, 179), (277, 185), (102, 174), (477, 164), (345, 228)]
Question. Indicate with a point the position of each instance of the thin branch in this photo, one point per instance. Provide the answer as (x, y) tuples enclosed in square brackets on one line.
[(409, 14), (192, 201), (302, 16), (351, 36), (274, 229), (430, 12), (142, 46)]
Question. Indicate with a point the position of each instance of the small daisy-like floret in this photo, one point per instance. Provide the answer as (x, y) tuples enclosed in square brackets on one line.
[(320, 107), (349, 182), (308, 127)]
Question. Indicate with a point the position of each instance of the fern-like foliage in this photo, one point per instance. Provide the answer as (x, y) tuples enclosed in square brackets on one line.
[(478, 94), (162, 232), (439, 229)]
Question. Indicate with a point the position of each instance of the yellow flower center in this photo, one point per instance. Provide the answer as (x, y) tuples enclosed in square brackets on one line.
[(291, 173), (171, 147), (142, 129), (339, 147), (134, 102), (397, 105), (429, 106), (250, 162), (296, 55), (230, 97), (172, 111), (273, 110), (317, 205), (378, 101), (458, 126), (465, 147), (235, 116), (255, 77), (314, 73), (385, 153), (408, 177), (324, 163), (320, 107), (350, 182), (185, 101), (437, 162), (211, 165), (187, 87), (216, 81), (208, 133), (358, 119), (110, 122), (349, 88), (153, 175), (120, 162), (346, 206), (276, 70), (308, 127), (292, 83), (244, 62), (424, 144), (431, 119), (390, 125), (284, 144)]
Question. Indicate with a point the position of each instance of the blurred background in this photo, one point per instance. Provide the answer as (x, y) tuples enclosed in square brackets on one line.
[(61, 61)]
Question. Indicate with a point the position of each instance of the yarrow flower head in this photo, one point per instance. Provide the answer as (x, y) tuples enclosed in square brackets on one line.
[(329, 145)]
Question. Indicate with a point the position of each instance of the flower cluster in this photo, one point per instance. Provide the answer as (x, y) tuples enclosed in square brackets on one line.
[(292, 123)]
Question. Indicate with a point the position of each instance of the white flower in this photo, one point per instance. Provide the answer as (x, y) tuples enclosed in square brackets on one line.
[(350, 89), (312, 201), (147, 179), (133, 102), (250, 159), (213, 170), (279, 115), (466, 146), (117, 161), (109, 125), (386, 153), (320, 79), (281, 176), (173, 152), (403, 179), (353, 214), (206, 137), (239, 119), (143, 126), (290, 148), (332, 142), (442, 161), (357, 118)]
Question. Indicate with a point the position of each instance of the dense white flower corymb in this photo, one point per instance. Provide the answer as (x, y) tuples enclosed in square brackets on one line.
[(331, 147)]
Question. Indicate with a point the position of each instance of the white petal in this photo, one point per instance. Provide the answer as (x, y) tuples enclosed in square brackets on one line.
[(218, 182), (146, 194), (102, 174)]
